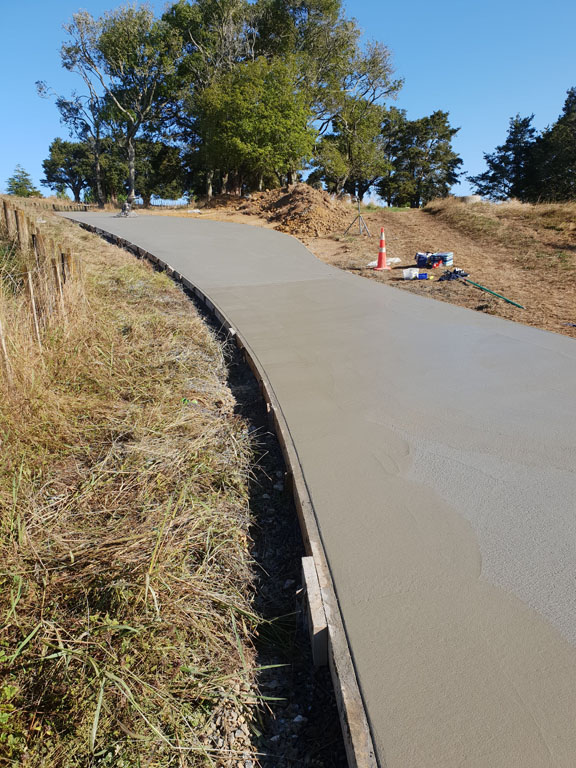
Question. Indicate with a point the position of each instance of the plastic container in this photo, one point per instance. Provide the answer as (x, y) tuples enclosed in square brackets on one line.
[(423, 276), (411, 273), (431, 260)]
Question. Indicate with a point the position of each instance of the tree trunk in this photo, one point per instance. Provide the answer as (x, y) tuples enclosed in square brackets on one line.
[(98, 175), (146, 200), (291, 178), (76, 192), (340, 185), (236, 186), (131, 172), (363, 189), (225, 182), (209, 179)]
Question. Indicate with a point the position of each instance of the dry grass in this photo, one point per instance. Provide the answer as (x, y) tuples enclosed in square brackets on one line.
[(539, 227), (125, 578)]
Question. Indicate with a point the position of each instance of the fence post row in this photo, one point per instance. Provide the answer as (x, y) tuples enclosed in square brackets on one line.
[(48, 267)]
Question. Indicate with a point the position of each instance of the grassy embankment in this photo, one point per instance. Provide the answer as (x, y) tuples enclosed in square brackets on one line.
[(543, 235), (124, 575)]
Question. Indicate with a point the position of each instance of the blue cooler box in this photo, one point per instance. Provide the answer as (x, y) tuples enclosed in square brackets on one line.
[(447, 258)]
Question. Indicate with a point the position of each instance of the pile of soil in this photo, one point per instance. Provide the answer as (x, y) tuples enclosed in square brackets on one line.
[(300, 210), (231, 202)]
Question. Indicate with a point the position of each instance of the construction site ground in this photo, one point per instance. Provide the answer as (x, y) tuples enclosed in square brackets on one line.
[(524, 252)]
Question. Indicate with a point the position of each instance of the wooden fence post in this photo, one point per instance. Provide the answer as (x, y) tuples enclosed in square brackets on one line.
[(4, 348), (69, 263), (30, 288), (36, 247), (58, 281), (9, 216), (22, 229)]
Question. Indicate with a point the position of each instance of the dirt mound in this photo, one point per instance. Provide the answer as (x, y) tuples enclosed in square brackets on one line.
[(300, 210), (222, 201)]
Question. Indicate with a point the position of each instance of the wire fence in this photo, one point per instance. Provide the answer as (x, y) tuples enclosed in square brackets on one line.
[(37, 267), (49, 205)]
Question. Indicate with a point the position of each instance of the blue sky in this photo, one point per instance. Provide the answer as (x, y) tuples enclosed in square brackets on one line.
[(481, 62)]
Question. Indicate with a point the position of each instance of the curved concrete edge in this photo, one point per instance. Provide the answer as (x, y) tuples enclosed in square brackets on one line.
[(353, 719)]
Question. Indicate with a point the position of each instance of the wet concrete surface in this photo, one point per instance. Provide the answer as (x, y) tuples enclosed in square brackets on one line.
[(439, 449)]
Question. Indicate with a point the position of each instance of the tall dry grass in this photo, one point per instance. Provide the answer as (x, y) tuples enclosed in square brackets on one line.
[(124, 568), (539, 226)]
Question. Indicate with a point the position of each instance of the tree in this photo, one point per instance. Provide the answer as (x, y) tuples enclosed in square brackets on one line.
[(83, 116), (254, 123), (423, 163), (365, 80), (224, 39), (69, 164), (392, 130), (553, 158), (352, 158), (319, 36), (216, 36), (132, 58), (510, 165), (20, 184), (243, 87), (159, 170)]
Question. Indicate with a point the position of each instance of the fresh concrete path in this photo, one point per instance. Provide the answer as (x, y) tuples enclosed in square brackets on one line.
[(438, 446)]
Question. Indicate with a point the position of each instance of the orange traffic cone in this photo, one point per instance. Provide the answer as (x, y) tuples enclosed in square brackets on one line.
[(382, 263)]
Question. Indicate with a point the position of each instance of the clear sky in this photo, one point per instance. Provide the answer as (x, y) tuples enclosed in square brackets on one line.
[(480, 61)]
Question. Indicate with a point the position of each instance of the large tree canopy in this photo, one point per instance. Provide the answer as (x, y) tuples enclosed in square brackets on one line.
[(552, 171), (132, 59), (253, 123), (508, 166), (351, 157), (247, 93)]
